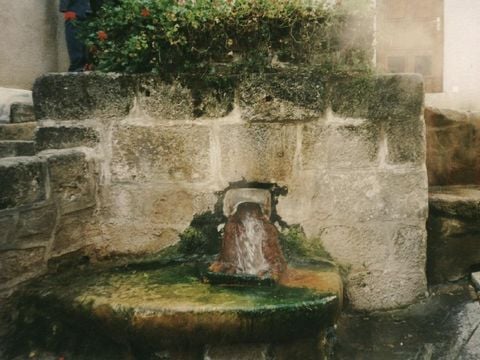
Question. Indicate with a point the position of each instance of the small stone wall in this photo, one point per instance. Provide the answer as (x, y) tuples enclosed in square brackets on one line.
[(351, 152)]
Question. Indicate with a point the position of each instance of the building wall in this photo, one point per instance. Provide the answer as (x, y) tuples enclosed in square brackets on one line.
[(461, 57), (31, 41)]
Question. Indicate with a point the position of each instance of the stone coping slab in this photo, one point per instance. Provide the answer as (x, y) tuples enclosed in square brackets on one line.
[(455, 200)]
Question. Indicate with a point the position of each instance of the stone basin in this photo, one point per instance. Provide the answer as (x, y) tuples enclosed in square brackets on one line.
[(171, 307)]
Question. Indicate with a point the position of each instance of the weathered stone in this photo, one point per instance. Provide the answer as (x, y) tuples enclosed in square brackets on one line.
[(25, 131), (165, 101), (36, 225), (74, 231), (133, 222), (461, 201), (83, 95), (22, 181), (382, 98), (405, 141), (165, 153), (453, 143), (453, 232), (363, 195), (382, 259), (239, 352), (257, 152), (7, 225), (340, 143), (11, 148), (72, 179), (286, 96), (20, 265), (21, 113), (62, 137)]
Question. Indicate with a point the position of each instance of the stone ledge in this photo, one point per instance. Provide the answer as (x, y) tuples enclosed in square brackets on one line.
[(22, 181), (64, 137), (456, 200)]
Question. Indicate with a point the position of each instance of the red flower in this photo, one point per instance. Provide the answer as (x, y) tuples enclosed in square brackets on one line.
[(145, 12), (102, 35)]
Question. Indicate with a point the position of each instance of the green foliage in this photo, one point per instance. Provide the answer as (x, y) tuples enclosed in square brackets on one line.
[(295, 245), (202, 236), (178, 36)]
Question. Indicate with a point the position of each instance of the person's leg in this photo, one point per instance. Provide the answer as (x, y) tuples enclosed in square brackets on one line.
[(76, 49)]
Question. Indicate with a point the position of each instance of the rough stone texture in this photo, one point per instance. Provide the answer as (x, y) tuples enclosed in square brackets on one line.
[(25, 131), (8, 223), (74, 231), (21, 113), (166, 153), (272, 146), (72, 179), (63, 137), (283, 97), (444, 326), (10, 148), (133, 223), (164, 101), (82, 96), (22, 181), (20, 264), (453, 232), (36, 224), (453, 147)]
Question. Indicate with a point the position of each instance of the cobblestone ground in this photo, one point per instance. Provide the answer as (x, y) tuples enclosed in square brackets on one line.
[(444, 326)]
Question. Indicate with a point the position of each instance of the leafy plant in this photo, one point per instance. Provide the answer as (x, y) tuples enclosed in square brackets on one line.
[(175, 36)]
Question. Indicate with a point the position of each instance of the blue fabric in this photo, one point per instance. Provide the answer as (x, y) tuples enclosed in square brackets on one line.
[(81, 7), (77, 51)]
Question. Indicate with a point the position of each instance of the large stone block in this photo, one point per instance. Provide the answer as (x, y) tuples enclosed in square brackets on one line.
[(8, 223), (383, 98), (285, 96), (406, 141), (11, 148), (36, 225), (72, 179), (340, 143), (25, 131), (386, 260), (63, 137), (83, 96), (362, 195), (161, 153), (22, 181), (21, 113), (257, 152), (20, 265), (164, 101), (74, 231)]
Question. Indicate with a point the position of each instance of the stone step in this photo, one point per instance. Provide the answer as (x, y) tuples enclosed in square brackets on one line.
[(10, 148), (21, 113), (23, 131), (453, 232)]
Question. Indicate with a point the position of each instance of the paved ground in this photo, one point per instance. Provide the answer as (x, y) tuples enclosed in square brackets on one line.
[(444, 326)]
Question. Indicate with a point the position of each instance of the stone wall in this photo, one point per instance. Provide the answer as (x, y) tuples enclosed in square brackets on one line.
[(351, 152), (46, 203)]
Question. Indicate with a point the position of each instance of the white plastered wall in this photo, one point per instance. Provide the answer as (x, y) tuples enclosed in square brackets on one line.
[(461, 57)]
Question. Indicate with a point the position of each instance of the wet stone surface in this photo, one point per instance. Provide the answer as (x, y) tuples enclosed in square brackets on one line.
[(444, 326)]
